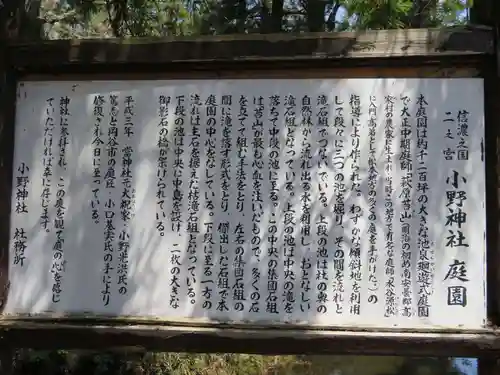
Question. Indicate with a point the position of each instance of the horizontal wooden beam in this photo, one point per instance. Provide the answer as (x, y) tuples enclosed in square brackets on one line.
[(279, 47), (282, 341)]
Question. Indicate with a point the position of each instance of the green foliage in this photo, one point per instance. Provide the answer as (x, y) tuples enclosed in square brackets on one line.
[(158, 18), (140, 363)]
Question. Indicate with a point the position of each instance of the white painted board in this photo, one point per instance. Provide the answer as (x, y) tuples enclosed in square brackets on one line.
[(323, 202)]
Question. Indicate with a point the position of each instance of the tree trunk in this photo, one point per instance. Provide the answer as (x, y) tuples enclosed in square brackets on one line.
[(423, 10), (315, 10), (241, 16), (276, 16)]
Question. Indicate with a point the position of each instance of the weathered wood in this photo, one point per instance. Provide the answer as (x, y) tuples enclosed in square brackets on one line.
[(279, 47), (482, 12), (488, 366), (81, 319), (288, 72), (7, 102), (427, 46), (492, 163), (488, 12), (492, 145), (282, 341), (6, 365), (100, 334), (9, 27)]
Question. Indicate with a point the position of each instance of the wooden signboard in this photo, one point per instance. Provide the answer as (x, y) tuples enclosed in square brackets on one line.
[(248, 209)]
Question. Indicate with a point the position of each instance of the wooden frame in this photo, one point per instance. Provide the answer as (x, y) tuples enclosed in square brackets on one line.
[(455, 52), (256, 48)]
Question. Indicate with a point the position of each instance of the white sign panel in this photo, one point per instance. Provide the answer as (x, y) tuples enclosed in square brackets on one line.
[(353, 202)]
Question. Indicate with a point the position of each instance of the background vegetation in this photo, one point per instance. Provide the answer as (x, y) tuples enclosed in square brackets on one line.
[(139, 363)]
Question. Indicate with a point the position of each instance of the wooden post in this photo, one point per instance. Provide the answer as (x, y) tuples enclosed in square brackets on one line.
[(482, 12), (6, 365), (18, 20), (489, 366), (487, 12)]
